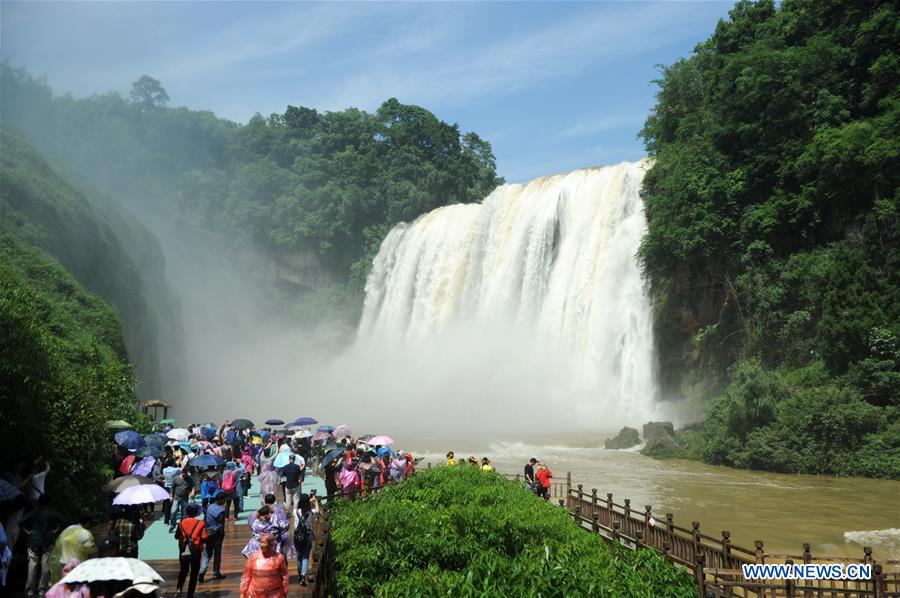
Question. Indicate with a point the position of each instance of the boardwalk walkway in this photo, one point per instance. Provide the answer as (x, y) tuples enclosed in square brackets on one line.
[(159, 549)]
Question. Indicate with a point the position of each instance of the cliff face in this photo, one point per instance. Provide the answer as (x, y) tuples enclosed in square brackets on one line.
[(103, 247)]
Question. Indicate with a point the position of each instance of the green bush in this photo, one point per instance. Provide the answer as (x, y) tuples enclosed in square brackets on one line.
[(461, 532), (63, 373)]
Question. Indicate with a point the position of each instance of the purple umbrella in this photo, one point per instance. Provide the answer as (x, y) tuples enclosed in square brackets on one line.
[(144, 467), (129, 439)]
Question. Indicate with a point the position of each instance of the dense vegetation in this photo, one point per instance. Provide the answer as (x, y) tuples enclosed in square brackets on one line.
[(329, 184), (82, 230), (63, 373), (462, 532), (772, 249)]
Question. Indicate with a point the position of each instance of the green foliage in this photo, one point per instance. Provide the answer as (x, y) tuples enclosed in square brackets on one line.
[(332, 183), (462, 532), (62, 374), (773, 238), (77, 228)]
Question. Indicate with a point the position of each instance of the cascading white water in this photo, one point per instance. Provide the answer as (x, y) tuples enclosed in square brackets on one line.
[(554, 258)]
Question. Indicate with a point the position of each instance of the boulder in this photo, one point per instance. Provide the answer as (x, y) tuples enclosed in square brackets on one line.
[(626, 438), (654, 430), (662, 446)]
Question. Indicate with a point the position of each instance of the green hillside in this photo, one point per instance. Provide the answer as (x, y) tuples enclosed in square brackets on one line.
[(772, 251)]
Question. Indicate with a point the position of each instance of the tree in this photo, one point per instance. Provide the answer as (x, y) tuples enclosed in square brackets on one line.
[(149, 93)]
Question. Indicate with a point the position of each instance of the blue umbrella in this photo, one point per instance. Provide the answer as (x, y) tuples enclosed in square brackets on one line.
[(8, 492), (205, 461), (305, 421), (209, 433), (325, 429), (129, 439), (155, 440), (150, 451)]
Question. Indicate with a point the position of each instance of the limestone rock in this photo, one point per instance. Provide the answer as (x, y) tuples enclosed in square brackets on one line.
[(626, 438)]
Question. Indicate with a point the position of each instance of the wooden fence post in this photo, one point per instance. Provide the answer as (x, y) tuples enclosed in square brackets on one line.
[(609, 510), (758, 551), (647, 516), (726, 548), (807, 555), (595, 526), (696, 537), (879, 583), (568, 485), (670, 530), (699, 574), (593, 500), (788, 582), (429, 465), (615, 532)]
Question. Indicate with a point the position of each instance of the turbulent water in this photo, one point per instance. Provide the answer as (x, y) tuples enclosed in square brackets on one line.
[(551, 262)]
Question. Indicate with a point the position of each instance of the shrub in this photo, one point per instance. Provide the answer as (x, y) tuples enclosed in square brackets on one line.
[(461, 532)]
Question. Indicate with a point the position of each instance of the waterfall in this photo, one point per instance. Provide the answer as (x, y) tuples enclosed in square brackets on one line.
[(552, 261)]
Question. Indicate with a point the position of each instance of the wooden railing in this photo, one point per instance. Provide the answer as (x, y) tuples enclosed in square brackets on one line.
[(714, 562)]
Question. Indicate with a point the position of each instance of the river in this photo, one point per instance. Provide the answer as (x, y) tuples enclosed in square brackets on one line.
[(836, 516)]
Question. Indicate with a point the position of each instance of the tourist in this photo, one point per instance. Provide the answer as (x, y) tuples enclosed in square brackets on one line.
[(169, 471), (291, 474), (192, 537), (127, 528), (349, 480), (486, 465), (451, 459), (266, 572), (40, 526), (398, 467), (5, 557), (529, 475), (215, 531), (230, 482), (209, 487), (76, 542), (303, 535), (543, 477), (35, 488), (268, 478), (182, 490), (330, 472), (244, 484), (473, 461), (69, 590), (268, 520)]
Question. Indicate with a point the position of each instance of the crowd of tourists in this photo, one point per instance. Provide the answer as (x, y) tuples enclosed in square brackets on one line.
[(201, 476)]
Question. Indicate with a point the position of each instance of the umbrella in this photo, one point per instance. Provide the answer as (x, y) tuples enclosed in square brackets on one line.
[(325, 429), (168, 421), (8, 492), (117, 424), (303, 434), (128, 481), (385, 450), (321, 436), (274, 422), (331, 455), (155, 439), (381, 440), (205, 461), (179, 434), (305, 421), (150, 451), (242, 424), (208, 433), (129, 439), (342, 431), (110, 569), (366, 437), (144, 467), (141, 495)]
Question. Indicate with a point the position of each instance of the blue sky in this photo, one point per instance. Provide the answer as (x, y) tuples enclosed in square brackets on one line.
[(553, 86)]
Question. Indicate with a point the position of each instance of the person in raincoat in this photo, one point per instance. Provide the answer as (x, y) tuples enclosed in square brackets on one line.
[(268, 479), (267, 521), (75, 542), (266, 573), (349, 480)]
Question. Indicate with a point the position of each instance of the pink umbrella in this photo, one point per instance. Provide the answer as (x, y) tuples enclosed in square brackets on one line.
[(141, 495), (342, 431), (380, 441), (321, 436)]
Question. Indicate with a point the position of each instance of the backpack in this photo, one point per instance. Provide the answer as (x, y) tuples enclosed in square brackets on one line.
[(246, 480), (229, 483), (301, 534)]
